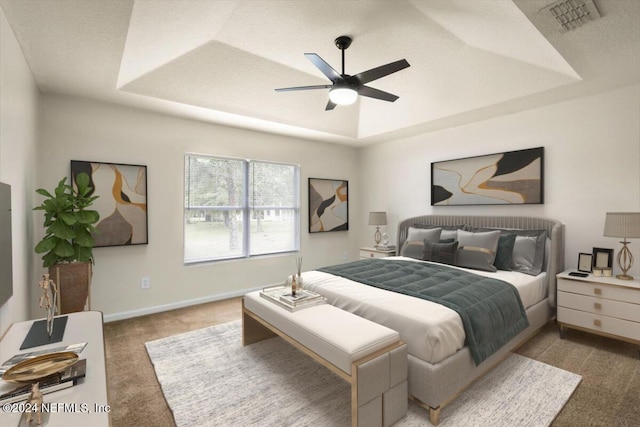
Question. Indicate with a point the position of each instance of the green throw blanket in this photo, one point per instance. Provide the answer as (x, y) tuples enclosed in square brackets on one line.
[(491, 309)]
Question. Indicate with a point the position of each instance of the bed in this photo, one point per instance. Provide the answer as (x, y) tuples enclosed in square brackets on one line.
[(441, 364)]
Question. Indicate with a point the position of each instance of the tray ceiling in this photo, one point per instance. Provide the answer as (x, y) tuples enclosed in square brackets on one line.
[(220, 61)]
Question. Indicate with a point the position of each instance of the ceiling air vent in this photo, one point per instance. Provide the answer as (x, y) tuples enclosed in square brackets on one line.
[(571, 14)]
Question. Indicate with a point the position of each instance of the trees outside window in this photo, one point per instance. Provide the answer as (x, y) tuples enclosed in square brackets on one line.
[(238, 208)]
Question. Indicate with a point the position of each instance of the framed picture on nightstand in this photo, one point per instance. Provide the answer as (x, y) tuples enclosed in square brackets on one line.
[(602, 257), (585, 261)]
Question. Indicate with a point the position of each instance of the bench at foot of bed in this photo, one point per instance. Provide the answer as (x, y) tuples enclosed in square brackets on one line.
[(371, 357)]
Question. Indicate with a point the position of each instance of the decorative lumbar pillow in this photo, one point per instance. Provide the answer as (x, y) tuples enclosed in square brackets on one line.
[(445, 253), (414, 244), (477, 250), (504, 254)]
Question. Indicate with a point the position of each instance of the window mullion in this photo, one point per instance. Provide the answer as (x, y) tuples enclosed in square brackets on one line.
[(246, 210)]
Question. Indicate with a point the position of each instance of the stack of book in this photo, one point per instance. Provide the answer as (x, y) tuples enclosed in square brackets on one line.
[(61, 380), (282, 296)]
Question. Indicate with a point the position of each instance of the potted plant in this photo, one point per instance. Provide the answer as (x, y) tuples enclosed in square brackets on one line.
[(68, 241)]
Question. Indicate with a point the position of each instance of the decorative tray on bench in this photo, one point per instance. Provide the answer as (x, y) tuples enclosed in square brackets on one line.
[(281, 295)]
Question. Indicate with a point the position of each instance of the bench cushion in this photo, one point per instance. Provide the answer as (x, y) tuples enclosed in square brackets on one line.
[(336, 335)]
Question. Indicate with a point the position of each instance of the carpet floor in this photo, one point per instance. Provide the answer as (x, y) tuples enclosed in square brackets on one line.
[(609, 394), (209, 379)]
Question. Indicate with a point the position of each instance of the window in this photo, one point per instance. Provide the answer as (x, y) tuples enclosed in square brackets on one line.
[(238, 208)]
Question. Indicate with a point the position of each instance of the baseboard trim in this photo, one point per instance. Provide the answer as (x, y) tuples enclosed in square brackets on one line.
[(174, 305)]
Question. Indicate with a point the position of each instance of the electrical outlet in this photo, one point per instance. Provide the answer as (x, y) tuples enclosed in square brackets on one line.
[(145, 283), (345, 256)]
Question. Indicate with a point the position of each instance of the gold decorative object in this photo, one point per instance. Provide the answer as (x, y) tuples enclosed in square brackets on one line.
[(625, 225), (40, 366), (48, 300), (34, 404)]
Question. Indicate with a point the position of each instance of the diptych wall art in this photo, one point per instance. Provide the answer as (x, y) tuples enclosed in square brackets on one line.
[(512, 177), (122, 204), (328, 205)]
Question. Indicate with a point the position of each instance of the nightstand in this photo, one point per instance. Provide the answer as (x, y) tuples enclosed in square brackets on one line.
[(601, 305), (376, 253)]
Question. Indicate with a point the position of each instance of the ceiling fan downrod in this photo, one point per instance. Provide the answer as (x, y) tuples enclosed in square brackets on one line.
[(343, 43)]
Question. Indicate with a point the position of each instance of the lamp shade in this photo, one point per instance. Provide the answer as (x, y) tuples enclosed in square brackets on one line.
[(377, 218), (622, 224)]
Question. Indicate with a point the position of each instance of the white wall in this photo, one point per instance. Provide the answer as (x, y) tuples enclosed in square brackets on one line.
[(18, 114), (77, 129), (592, 166)]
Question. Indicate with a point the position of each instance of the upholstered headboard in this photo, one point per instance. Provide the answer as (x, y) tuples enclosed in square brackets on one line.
[(554, 257)]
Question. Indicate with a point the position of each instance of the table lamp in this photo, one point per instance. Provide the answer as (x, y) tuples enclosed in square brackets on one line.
[(377, 219), (625, 225)]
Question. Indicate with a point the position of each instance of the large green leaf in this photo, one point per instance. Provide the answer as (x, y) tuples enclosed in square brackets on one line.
[(63, 249), (87, 217), (61, 230), (69, 218), (82, 182), (49, 259), (46, 244), (84, 238), (44, 192), (83, 254)]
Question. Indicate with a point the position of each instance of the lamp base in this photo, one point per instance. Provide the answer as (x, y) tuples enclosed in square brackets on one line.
[(377, 237), (624, 277)]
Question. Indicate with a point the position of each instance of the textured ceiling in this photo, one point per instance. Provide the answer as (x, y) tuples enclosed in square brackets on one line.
[(220, 61)]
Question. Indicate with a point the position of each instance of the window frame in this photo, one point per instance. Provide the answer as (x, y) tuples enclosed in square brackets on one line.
[(245, 207)]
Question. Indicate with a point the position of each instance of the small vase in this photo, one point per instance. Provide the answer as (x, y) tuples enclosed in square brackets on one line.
[(299, 281)]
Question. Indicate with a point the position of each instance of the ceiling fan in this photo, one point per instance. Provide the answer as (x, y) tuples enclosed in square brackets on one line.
[(345, 88)]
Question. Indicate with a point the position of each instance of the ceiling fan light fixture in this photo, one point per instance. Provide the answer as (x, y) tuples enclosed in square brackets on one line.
[(343, 95)]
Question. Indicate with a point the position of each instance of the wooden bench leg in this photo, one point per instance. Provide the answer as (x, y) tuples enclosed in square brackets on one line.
[(434, 415), (254, 331)]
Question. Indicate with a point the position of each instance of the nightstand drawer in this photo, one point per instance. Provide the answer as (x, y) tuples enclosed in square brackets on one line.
[(628, 295), (602, 324), (372, 254), (600, 306)]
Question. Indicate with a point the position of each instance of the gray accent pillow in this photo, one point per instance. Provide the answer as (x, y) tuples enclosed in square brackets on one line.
[(413, 246), (504, 254), (477, 250), (445, 253), (528, 251), (448, 231)]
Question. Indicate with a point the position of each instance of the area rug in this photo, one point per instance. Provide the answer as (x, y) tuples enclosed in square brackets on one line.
[(209, 379)]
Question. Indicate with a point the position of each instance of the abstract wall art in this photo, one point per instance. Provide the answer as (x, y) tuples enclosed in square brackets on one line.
[(509, 178), (328, 205), (122, 204)]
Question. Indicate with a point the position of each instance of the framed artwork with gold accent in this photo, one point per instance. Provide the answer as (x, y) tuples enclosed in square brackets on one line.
[(509, 178), (328, 205), (122, 201)]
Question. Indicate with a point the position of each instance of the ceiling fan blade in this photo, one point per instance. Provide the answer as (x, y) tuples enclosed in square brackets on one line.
[(330, 106), (378, 72), (326, 69), (376, 93), (287, 89)]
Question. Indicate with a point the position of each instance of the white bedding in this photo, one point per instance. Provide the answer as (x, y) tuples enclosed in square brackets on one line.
[(432, 332)]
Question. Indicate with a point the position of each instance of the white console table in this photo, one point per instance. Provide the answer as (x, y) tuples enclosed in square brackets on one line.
[(83, 404)]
